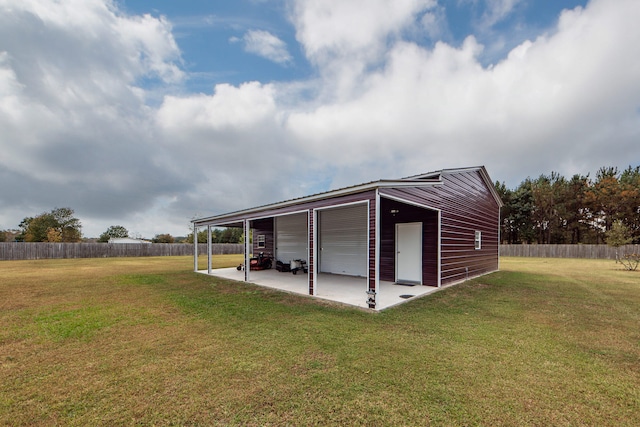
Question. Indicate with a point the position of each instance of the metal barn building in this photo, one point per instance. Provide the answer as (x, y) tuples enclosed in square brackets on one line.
[(383, 242)]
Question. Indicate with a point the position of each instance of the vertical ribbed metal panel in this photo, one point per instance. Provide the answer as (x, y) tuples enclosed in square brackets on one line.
[(343, 240), (292, 237)]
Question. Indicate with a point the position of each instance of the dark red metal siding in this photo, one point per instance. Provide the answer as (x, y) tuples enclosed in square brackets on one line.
[(264, 227), (466, 205), (408, 213), (430, 249), (372, 244)]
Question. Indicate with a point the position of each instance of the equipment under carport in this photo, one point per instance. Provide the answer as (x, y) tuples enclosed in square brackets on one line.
[(299, 264), (282, 267)]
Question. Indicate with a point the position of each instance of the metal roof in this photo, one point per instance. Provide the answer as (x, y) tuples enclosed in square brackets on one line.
[(427, 179)]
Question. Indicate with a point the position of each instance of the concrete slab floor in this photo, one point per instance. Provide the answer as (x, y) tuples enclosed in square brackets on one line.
[(344, 289)]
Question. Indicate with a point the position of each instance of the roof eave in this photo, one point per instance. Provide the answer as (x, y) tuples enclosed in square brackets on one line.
[(219, 219)]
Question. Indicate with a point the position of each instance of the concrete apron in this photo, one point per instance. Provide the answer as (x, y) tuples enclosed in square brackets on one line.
[(344, 289)]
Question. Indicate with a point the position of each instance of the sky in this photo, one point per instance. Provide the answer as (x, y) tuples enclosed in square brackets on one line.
[(148, 114)]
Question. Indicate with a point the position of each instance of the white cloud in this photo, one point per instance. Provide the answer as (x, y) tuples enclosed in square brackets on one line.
[(331, 30), (266, 45), (228, 108), (344, 38), (563, 96), (76, 128), (237, 151)]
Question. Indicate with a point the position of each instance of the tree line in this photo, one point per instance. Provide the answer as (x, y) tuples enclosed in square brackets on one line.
[(61, 225), (553, 209), (549, 209), (219, 235)]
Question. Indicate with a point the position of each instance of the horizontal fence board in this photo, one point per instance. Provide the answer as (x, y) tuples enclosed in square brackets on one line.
[(24, 251), (13, 251), (567, 251)]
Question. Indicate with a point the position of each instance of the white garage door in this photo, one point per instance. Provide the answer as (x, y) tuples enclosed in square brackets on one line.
[(291, 237), (343, 240)]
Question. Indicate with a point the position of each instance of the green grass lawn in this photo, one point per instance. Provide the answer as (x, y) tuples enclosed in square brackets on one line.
[(145, 341)]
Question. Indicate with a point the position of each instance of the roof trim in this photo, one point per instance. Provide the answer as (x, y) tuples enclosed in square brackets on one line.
[(433, 174), (315, 197)]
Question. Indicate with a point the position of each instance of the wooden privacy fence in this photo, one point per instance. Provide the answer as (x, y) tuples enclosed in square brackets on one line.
[(21, 250), (567, 251)]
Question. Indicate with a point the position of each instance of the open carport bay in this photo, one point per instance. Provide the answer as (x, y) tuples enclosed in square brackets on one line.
[(349, 290)]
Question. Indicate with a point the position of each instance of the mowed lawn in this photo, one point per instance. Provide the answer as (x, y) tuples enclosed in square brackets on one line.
[(145, 341)]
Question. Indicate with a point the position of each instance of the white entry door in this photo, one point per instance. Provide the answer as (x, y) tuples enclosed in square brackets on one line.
[(409, 253)]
